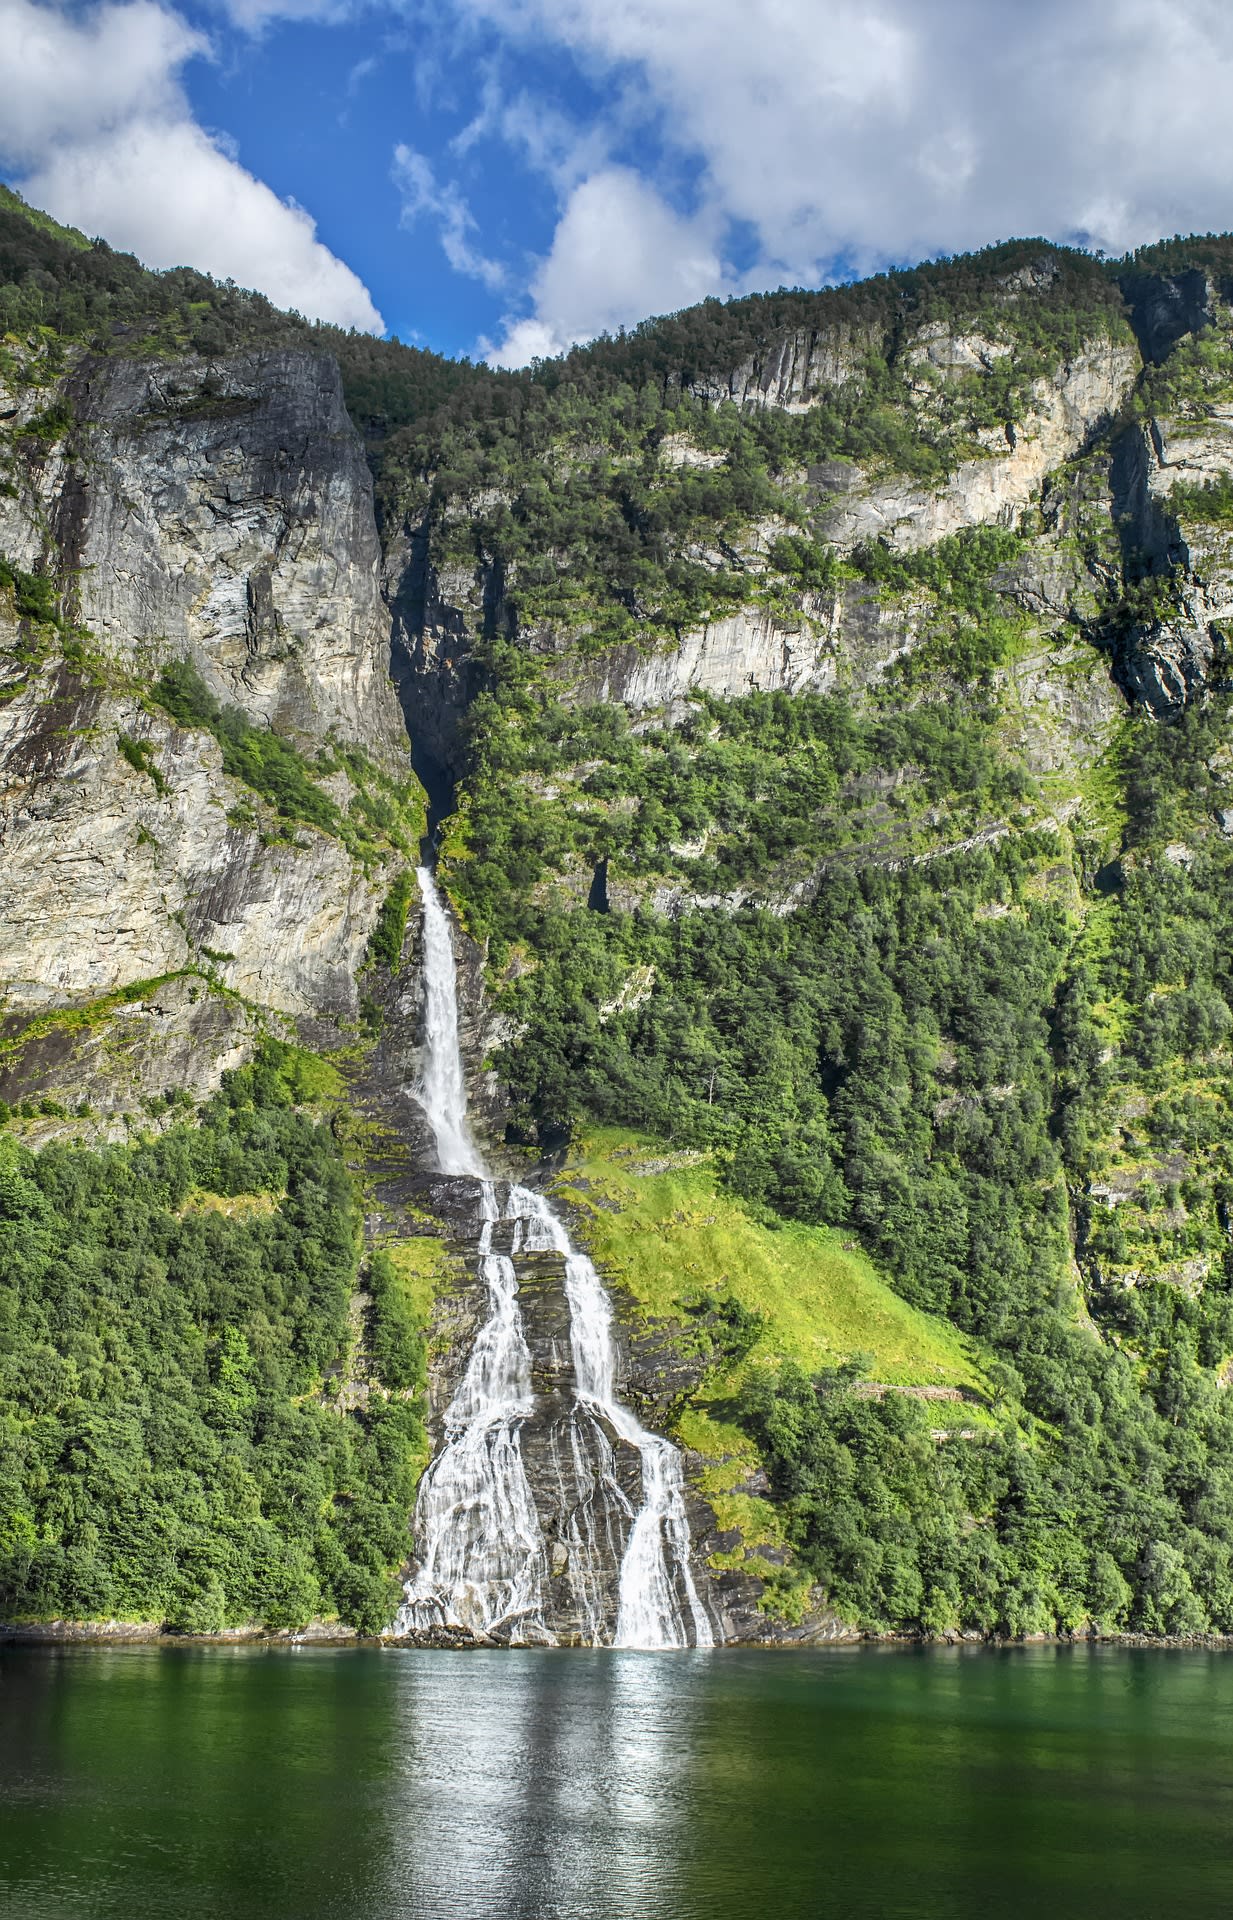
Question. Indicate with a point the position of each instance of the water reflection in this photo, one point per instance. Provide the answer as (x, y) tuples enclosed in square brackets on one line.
[(563, 1791), (192, 1785)]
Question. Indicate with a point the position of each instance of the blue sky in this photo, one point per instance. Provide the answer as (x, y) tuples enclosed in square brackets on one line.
[(319, 113), (503, 177)]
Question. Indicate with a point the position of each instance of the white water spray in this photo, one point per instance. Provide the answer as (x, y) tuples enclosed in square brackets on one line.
[(484, 1559), (658, 1604)]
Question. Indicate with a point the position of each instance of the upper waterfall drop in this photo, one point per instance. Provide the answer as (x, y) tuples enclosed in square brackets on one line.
[(484, 1556), (442, 1091)]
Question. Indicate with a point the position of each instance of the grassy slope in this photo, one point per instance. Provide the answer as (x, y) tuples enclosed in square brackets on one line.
[(663, 1230)]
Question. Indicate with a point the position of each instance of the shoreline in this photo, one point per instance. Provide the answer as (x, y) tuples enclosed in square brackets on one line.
[(335, 1635)]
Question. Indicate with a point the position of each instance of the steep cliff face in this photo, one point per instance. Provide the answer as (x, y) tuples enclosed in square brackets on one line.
[(1066, 411), (221, 514), (219, 511), (1170, 471), (784, 638), (795, 369)]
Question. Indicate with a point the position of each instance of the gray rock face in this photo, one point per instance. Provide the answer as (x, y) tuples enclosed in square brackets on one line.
[(221, 513), (844, 639), (1165, 307), (1166, 660), (433, 664), (791, 373), (225, 513), (106, 881), (178, 1036), (1068, 408)]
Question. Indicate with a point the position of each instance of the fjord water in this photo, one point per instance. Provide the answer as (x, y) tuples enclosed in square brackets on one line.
[(483, 1558), (151, 1783)]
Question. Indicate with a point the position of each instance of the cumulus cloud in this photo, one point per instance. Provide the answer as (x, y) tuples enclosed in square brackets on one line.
[(422, 197), (619, 252), (94, 117), (867, 131)]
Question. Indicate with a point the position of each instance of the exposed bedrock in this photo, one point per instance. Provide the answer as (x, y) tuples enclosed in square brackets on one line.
[(219, 512)]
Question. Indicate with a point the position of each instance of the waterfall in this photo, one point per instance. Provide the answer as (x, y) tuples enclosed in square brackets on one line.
[(483, 1558), (484, 1562), (656, 1559)]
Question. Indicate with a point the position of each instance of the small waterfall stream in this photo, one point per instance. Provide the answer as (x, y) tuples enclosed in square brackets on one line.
[(484, 1557)]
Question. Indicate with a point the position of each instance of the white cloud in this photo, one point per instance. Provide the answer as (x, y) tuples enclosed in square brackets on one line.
[(98, 73), (93, 114), (869, 131), (423, 196), (619, 253)]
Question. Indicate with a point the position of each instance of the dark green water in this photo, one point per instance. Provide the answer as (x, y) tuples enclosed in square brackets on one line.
[(288, 1785)]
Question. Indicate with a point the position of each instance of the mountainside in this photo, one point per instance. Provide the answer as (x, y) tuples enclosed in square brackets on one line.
[(823, 699)]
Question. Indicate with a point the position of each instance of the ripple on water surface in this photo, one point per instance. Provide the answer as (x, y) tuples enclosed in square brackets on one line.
[(319, 1785)]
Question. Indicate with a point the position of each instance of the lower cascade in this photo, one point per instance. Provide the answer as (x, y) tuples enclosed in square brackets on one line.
[(486, 1565)]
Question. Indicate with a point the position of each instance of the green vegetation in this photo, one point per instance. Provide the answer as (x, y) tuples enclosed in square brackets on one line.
[(946, 1061), (745, 791), (34, 595), (385, 942), (664, 1230), (383, 816), (92, 1013), (55, 282), (170, 1311), (1212, 502), (398, 1326), (138, 755), (36, 607)]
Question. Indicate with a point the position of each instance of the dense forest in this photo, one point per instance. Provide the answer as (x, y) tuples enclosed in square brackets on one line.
[(174, 1318), (885, 976)]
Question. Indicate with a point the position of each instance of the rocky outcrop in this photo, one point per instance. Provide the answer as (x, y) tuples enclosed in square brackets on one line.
[(1165, 307), (792, 371), (1068, 408), (109, 878), (844, 639), (220, 513), (172, 1037), (1178, 565)]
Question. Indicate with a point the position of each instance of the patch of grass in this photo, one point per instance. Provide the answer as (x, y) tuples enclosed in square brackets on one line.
[(233, 1206), (138, 755), (661, 1227), (385, 941), (307, 1079), (424, 1267)]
